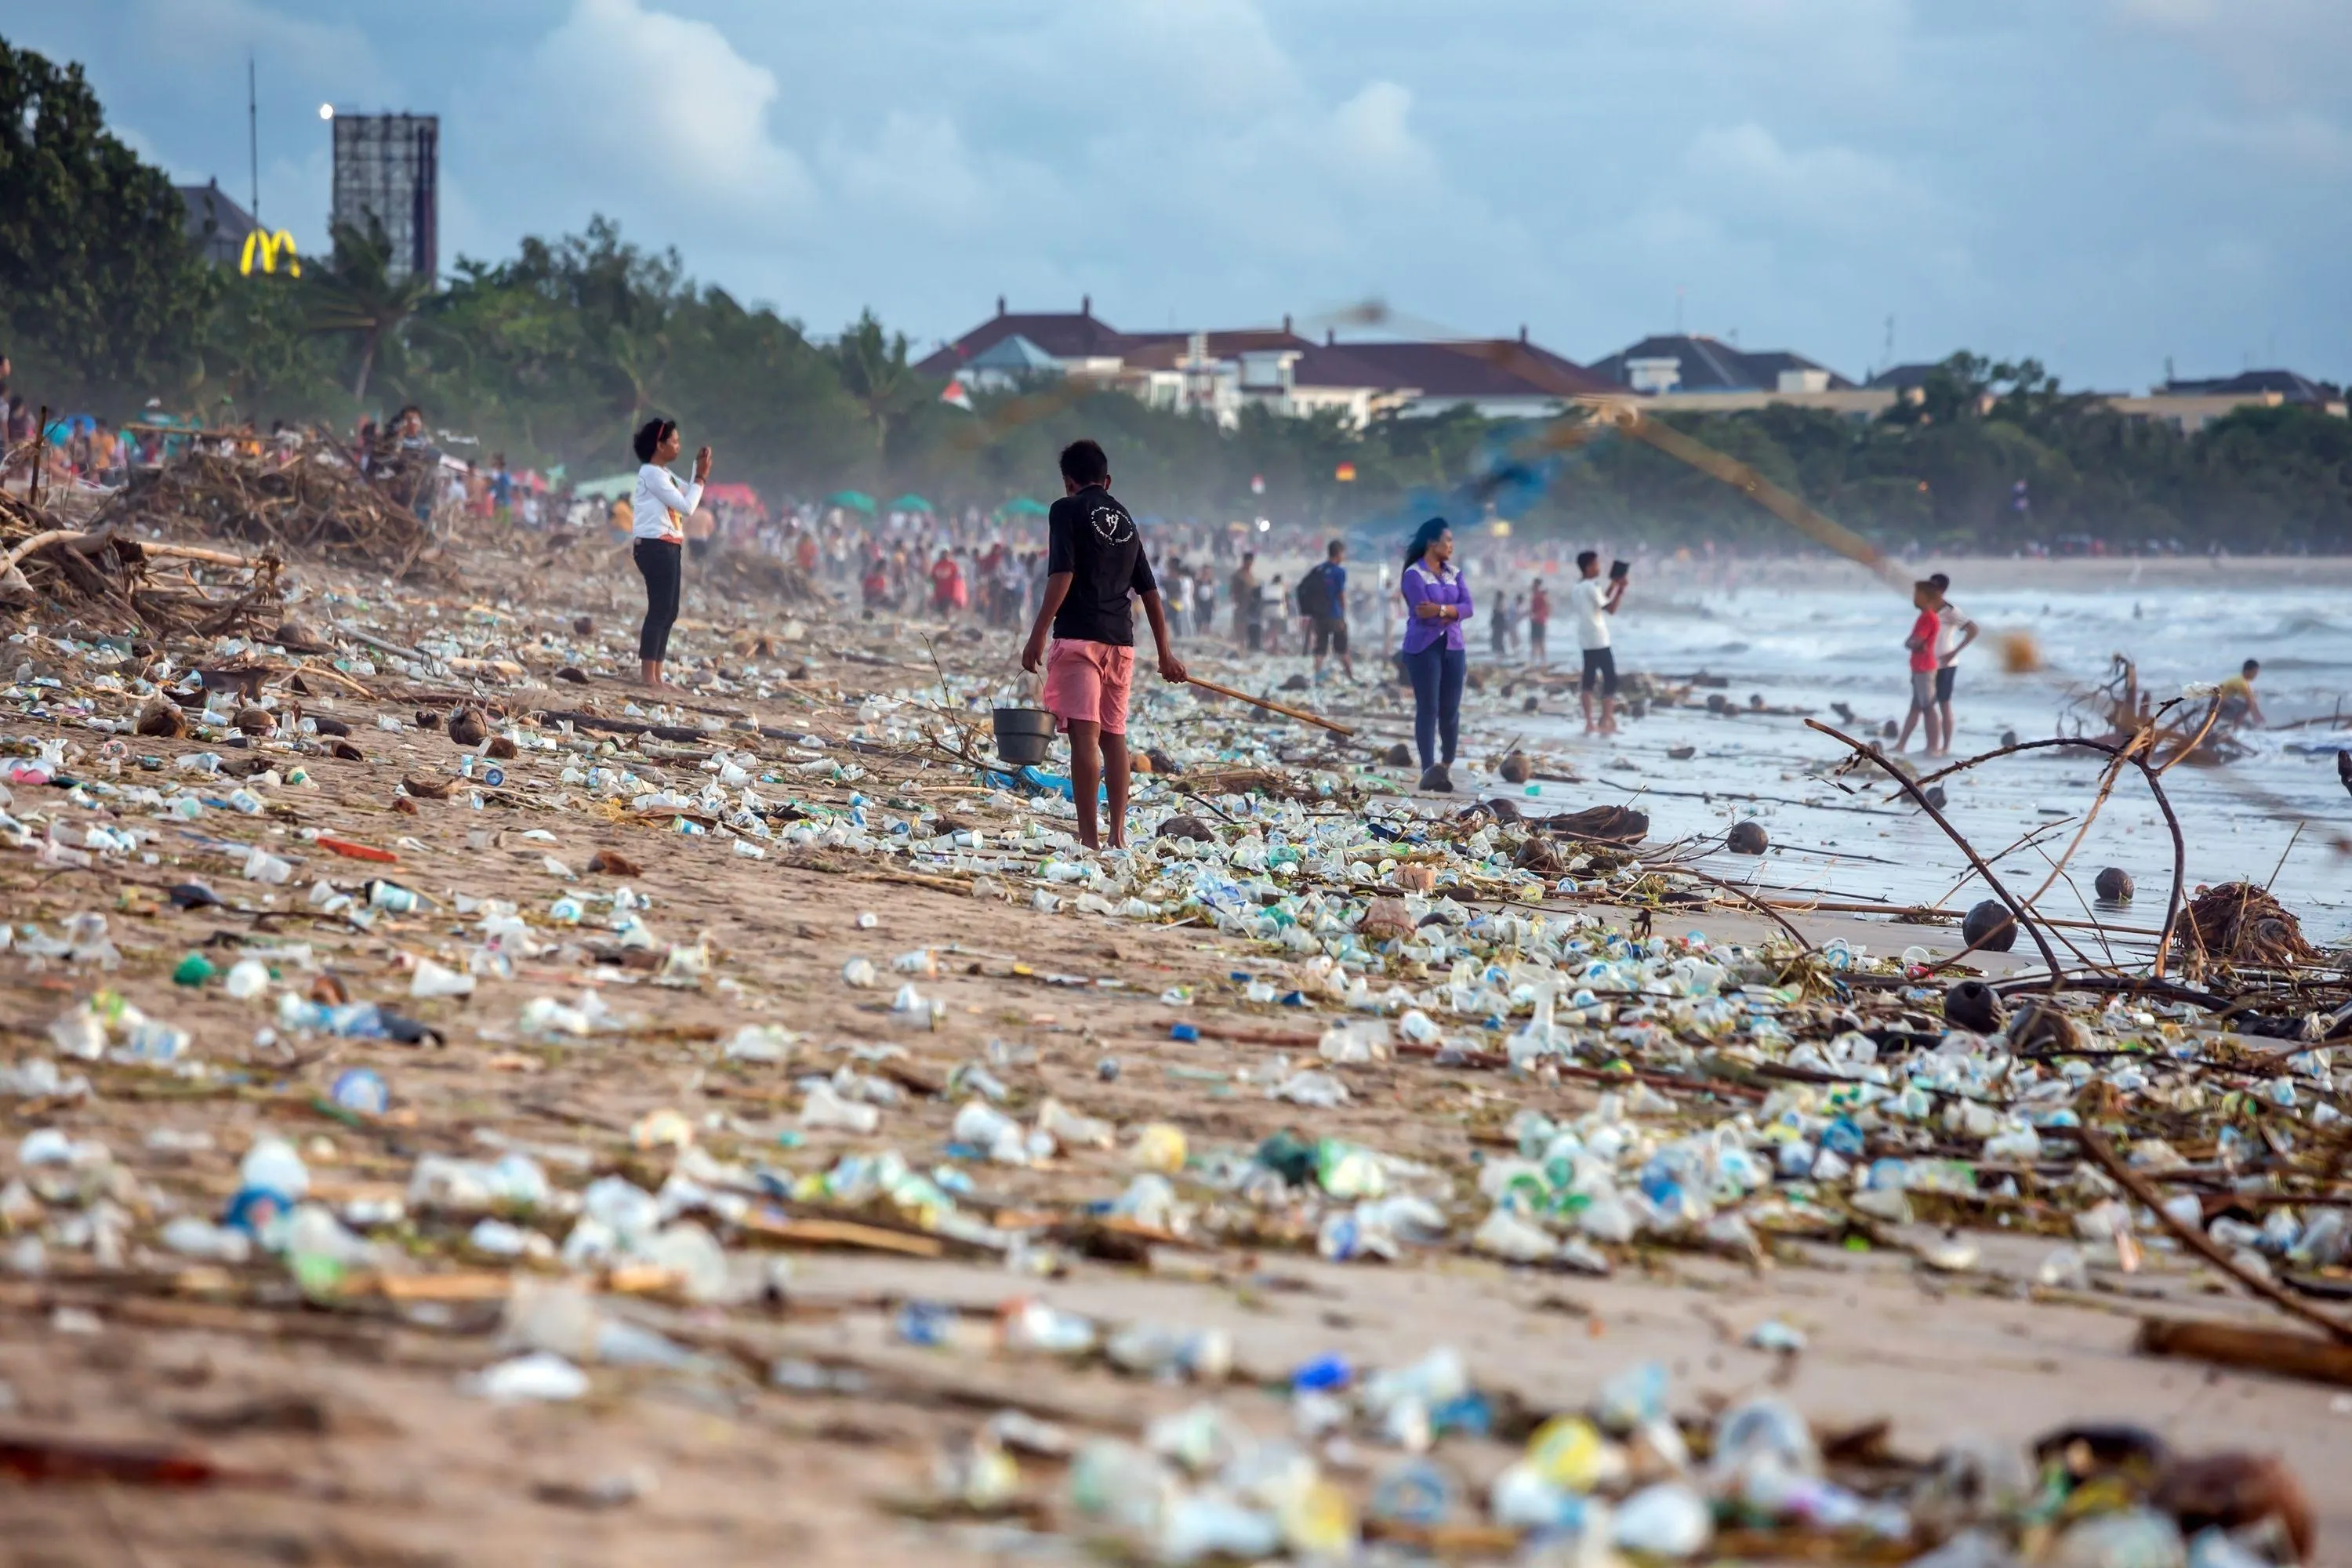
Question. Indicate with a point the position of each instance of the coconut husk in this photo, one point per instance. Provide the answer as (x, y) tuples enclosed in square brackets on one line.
[(1540, 855), (2242, 926), (1600, 825), (161, 717)]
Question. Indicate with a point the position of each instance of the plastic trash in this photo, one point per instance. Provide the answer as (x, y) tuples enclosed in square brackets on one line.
[(247, 978), (434, 979), (1031, 1325), (539, 1375), (2128, 1538), (1160, 1147), (272, 1165), (1151, 1350), (1668, 1519), (361, 1090), (824, 1110)]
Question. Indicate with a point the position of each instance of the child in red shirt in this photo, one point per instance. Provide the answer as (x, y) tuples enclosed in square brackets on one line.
[(1922, 644)]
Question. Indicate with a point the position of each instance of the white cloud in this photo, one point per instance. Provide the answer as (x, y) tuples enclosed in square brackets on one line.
[(920, 169), (1746, 171), (664, 108)]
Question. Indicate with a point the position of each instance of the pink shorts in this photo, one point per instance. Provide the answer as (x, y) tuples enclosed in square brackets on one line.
[(1088, 682)]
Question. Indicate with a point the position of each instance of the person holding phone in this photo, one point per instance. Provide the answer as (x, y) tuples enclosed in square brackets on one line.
[(657, 526), (1590, 603), (1435, 658)]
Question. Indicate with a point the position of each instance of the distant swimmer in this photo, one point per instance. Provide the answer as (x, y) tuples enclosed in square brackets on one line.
[(2237, 693)]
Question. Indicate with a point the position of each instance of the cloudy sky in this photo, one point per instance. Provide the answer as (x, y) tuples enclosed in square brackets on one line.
[(2104, 183)]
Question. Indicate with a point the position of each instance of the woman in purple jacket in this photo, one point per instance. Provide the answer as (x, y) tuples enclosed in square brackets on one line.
[(1436, 602)]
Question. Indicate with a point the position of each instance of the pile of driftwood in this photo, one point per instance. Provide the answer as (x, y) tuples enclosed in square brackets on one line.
[(755, 575), (103, 573), (2240, 925), (310, 498)]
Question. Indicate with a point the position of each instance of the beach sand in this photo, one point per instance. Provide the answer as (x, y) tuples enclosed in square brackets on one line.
[(363, 1448)]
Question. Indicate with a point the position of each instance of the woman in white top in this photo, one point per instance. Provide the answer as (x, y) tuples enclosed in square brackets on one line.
[(658, 527)]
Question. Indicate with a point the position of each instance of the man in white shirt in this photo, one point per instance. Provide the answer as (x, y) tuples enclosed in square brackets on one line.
[(1954, 632), (1590, 603)]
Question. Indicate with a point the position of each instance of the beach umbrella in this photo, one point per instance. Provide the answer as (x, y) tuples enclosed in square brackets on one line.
[(912, 503), (1021, 506), (856, 500), (611, 488)]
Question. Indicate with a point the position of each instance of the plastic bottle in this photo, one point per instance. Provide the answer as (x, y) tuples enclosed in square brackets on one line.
[(825, 1109), (247, 978), (272, 1165), (1505, 1235), (434, 979), (986, 1128), (1668, 1519), (1151, 1350), (1210, 1524), (1028, 1324)]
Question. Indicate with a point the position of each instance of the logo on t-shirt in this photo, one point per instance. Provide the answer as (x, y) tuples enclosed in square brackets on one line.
[(1112, 525)]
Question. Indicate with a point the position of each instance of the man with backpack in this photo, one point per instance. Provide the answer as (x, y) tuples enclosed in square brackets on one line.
[(1323, 600)]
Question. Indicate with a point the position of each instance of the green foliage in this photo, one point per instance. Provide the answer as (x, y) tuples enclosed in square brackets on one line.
[(257, 350), (98, 289), (356, 298)]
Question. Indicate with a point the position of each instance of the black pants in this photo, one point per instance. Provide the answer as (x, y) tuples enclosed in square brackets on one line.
[(660, 563), (1601, 665), (1437, 673)]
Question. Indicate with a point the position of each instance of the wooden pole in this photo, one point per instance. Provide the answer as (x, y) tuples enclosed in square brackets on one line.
[(1298, 713), (40, 459)]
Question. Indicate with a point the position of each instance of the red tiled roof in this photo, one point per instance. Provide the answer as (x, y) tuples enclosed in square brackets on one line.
[(1064, 336)]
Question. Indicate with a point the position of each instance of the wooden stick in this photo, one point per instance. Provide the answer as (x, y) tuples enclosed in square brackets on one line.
[(1300, 714), (75, 536), (2204, 1246), (2256, 1350)]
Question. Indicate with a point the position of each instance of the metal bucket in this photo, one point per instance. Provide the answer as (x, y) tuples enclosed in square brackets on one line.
[(1024, 735)]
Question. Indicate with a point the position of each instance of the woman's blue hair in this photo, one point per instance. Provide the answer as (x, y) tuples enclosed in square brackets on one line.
[(1422, 538)]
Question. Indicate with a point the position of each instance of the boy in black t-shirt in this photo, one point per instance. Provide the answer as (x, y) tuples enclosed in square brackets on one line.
[(1094, 561)]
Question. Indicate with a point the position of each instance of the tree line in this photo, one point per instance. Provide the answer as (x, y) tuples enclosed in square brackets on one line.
[(551, 356)]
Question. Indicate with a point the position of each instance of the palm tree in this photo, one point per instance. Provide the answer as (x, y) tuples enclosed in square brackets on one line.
[(873, 368), (356, 296)]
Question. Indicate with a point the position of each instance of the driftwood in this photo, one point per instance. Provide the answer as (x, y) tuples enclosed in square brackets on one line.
[(1300, 714), (312, 498), (105, 570), (2254, 1350)]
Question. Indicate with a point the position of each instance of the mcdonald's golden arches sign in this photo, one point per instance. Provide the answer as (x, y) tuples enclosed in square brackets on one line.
[(265, 246)]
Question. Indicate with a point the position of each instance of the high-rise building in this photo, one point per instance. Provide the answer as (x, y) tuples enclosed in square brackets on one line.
[(388, 172)]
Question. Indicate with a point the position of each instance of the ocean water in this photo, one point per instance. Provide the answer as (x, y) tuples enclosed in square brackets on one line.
[(1806, 647)]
